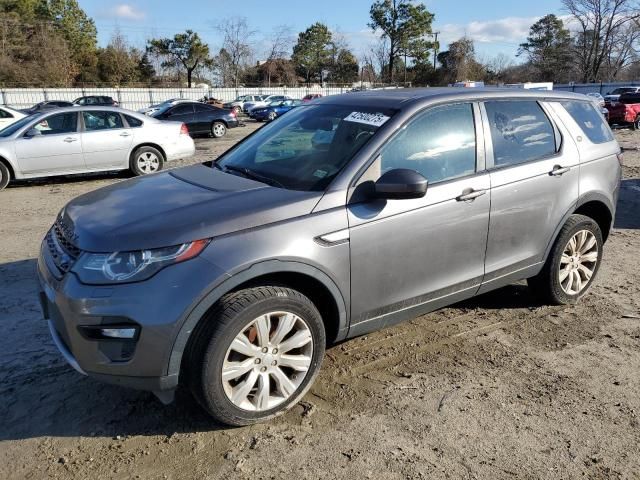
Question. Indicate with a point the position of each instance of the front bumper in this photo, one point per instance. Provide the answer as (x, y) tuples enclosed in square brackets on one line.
[(158, 306)]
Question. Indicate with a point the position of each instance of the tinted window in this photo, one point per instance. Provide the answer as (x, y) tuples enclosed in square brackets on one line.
[(101, 120), (440, 144), (203, 108), (182, 110), (61, 104), (5, 114), (590, 121), (520, 131), (133, 121), (60, 123)]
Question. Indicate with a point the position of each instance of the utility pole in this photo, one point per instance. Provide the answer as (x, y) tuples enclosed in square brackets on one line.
[(435, 49)]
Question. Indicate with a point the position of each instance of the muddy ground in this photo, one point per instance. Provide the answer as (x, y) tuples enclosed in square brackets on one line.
[(497, 387)]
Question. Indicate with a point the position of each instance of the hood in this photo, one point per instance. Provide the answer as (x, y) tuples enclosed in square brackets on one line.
[(175, 207)]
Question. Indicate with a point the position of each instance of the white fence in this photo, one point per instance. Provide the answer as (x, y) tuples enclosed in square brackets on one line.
[(136, 98)]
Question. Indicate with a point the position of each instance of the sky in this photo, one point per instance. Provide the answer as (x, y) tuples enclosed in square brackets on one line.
[(495, 26)]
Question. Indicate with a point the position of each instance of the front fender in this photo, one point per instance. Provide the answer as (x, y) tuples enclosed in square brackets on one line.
[(227, 285)]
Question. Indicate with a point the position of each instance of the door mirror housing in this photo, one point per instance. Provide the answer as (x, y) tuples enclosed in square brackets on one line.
[(33, 132), (401, 183)]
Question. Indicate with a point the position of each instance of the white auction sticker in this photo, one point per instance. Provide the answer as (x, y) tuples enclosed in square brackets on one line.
[(375, 119)]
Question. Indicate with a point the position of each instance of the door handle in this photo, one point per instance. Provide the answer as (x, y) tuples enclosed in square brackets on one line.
[(70, 139), (559, 170), (125, 134), (470, 194)]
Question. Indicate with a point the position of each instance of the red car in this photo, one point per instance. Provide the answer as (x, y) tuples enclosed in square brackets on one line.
[(311, 96), (625, 111)]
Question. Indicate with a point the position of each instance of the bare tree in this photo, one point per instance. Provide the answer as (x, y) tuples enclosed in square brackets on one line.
[(279, 42), (236, 43), (600, 23)]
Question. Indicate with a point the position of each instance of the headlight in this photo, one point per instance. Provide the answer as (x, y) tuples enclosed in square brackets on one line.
[(124, 267)]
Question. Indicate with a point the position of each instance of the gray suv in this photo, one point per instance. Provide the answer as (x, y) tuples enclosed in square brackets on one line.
[(231, 277)]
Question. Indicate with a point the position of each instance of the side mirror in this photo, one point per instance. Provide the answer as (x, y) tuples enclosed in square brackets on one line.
[(33, 132), (401, 183)]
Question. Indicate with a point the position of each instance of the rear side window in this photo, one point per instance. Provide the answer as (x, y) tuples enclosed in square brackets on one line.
[(590, 120), (133, 121), (101, 120), (520, 131)]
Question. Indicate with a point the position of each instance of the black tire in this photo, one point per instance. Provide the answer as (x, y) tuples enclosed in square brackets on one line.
[(218, 129), (547, 285), (153, 154), (5, 175), (210, 342), (636, 123)]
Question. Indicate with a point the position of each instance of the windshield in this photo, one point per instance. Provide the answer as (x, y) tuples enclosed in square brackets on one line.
[(307, 148), (14, 127)]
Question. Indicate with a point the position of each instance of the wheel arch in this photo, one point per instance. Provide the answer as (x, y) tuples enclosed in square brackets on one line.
[(148, 144), (307, 279), (9, 165), (594, 205)]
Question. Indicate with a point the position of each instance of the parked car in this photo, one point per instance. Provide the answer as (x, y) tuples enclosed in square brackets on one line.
[(154, 108), (626, 111), (424, 198), (8, 116), (200, 118), (273, 110), (311, 96), (266, 100), (89, 139), (238, 104), (96, 101), (596, 98), (614, 96), (45, 106)]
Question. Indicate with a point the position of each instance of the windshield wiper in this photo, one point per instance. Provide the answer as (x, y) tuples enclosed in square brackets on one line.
[(253, 175)]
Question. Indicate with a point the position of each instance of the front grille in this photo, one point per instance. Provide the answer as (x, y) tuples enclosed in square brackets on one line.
[(62, 251)]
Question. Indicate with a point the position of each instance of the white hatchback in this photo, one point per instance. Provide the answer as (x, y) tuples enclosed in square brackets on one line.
[(89, 139)]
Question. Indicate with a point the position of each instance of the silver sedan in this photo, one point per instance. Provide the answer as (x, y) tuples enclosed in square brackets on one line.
[(89, 139)]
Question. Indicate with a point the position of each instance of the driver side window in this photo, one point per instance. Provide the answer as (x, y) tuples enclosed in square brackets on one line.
[(440, 144)]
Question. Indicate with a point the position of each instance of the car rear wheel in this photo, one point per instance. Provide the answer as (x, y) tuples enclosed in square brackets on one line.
[(572, 264), (256, 354), (636, 123), (218, 129), (272, 116), (236, 110), (146, 160), (5, 175)]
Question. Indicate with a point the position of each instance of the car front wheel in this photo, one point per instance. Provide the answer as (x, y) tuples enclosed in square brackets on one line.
[(272, 116), (256, 354), (572, 264), (5, 176)]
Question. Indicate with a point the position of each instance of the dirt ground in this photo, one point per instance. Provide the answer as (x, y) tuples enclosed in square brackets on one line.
[(497, 387)]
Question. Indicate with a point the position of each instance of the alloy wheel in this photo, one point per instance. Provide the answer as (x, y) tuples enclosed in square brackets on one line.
[(218, 130), (148, 162), (578, 262), (267, 361)]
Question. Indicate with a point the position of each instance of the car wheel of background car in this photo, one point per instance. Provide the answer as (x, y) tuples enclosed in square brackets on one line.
[(573, 262), (218, 129), (5, 175), (255, 354), (636, 123), (236, 110), (146, 160), (272, 116)]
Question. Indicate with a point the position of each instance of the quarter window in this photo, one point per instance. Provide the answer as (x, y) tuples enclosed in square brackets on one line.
[(133, 121), (5, 114), (440, 144), (58, 124), (520, 131), (101, 120), (590, 120)]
